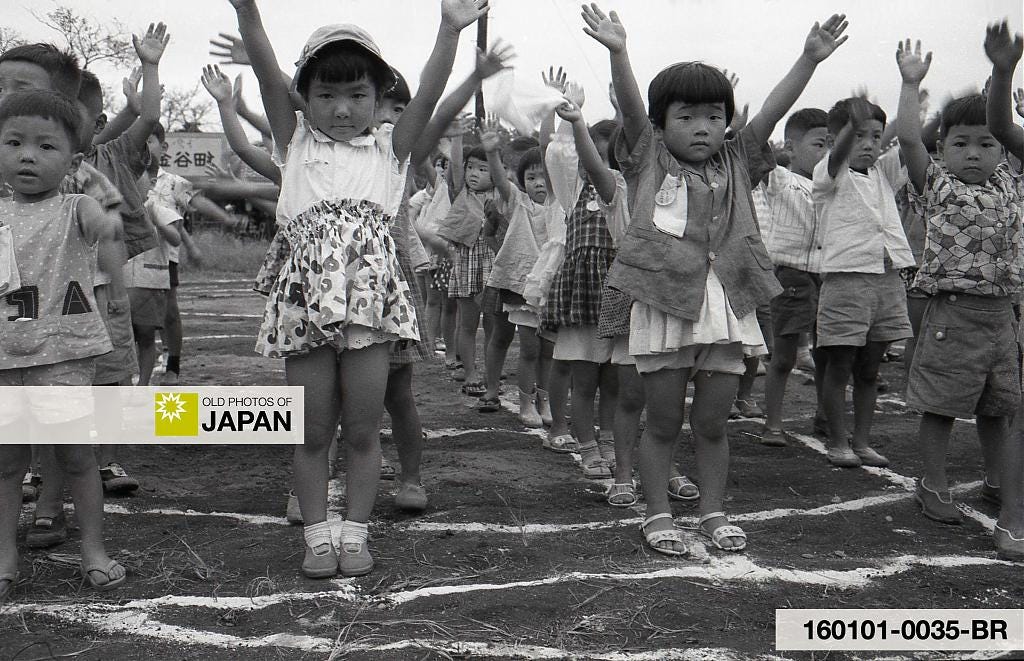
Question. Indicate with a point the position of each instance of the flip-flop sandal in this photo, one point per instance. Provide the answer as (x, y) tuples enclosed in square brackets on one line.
[(681, 487), (562, 444), (489, 405), (659, 536), (721, 532), (47, 531), (111, 584), (474, 389), (7, 583), (621, 495)]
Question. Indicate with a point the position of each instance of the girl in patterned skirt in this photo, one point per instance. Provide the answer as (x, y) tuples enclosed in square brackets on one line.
[(339, 300)]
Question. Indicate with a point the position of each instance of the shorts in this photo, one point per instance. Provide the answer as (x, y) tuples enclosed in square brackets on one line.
[(795, 310), (47, 406), (620, 351), (490, 301), (763, 314), (857, 308), (722, 358), (172, 269), (122, 363), (149, 307), (582, 343), (966, 362)]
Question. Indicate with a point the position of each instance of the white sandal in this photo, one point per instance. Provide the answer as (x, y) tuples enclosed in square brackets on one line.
[(660, 536), (722, 532)]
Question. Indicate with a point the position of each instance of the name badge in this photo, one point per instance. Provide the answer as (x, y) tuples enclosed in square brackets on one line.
[(593, 206)]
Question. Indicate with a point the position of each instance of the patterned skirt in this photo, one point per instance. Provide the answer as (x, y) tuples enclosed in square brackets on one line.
[(273, 262), (575, 298), (341, 272), (470, 269)]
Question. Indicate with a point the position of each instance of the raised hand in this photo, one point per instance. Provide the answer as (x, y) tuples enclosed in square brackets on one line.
[(608, 30), (216, 83), (236, 93), (494, 60), (825, 38), (913, 68), (462, 125), (230, 49), (574, 94), (1018, 101), (734, 80), (1001, 48), (739, 119), (554, 80), (150, 48), (458, 14), (489, 138), (215, 171), (130, 88), (860, 111), (569, 112)]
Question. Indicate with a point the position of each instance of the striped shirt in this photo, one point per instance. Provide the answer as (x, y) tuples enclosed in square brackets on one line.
[(792, 233)]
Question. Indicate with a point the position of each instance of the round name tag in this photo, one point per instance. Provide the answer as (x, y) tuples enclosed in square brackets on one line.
[(593, 206), (665, 197)]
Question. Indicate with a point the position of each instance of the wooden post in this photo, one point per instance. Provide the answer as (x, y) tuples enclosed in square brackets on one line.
[(481, 43)]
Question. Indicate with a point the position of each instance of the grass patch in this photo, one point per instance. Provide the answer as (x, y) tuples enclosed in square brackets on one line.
[(226, 252)]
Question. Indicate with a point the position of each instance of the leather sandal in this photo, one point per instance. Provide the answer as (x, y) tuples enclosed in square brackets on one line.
[(722, 532), (659, 536)]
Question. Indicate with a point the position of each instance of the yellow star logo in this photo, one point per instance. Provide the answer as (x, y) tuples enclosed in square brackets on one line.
[(176, 414)]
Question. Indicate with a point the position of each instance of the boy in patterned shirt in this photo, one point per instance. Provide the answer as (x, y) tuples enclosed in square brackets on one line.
[(966, 363)]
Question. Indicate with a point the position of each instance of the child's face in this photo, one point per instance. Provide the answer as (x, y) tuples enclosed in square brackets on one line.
[(807, 150), (156, 148), (35, 155), (534, 183), (389, 110), (18, 75), (867, 145), (478, 175), (694, 132), (971, 153), (342, 111)]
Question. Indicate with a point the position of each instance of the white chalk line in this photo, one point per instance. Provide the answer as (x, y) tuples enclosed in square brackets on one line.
[(196, 338), (220, 315)]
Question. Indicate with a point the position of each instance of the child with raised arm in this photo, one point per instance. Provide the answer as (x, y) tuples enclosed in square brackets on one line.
[(54, 257), (692, 259), (792, 238), (862, 304), (340, 300)]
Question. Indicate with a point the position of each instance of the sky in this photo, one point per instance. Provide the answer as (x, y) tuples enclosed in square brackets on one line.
[(757, 39)]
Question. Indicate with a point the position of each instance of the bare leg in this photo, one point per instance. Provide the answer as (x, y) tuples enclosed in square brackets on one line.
[(584, 391), (782, 363), (405, 423), (51, 489), (609, 384), (1011, 514), (865, 391), (713, 393), (627, 421), (558, 386), (933, 436), (501, 336), (449, 326), (14, 461), (363, 379), (469, 322), (145, 342), (171, 333), (666, 393), (992, 434), (837, 375)]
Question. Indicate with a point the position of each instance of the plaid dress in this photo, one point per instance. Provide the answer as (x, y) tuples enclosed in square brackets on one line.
[(575, 297)]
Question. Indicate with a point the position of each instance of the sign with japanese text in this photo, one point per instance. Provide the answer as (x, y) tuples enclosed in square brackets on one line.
[(188, 154)]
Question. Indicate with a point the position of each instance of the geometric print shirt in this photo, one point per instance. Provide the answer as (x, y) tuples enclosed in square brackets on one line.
[(973, 237)]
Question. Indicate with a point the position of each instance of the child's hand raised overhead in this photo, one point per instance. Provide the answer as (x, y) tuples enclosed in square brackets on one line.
[(1018, 101), (461, 126), (130, 88), (734, 80), (913, 68), (1001, 48), (230, 49), (860, 111), (569, 112), (490, 140), (216, 83), (608, 30), (458, 14), (555, 80), (494, 60), (825, 38), (575, 94), (150, 48)]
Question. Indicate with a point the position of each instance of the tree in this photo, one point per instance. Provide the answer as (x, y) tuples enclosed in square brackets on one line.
[(9, 39), (89, 39), (183, 109)]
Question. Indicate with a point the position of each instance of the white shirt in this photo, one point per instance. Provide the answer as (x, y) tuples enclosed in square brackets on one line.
[(792, 233), (149, 269)]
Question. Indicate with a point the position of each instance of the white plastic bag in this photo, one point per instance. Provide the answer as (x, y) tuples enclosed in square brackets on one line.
[(523, 104)]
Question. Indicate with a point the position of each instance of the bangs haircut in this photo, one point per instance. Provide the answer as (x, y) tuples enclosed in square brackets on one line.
[(91, 93), (400, 92), (965, 111), (688, 82), (344, 62), (602, 130), (477, 152), (839, 115), (531, 158), (523, 143), (65, 73), (803, 120), (45, 104)]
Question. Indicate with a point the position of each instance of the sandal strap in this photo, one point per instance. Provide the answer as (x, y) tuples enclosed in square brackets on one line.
[(948, 500), (664, 536), (728, 531), (318, 534), (651, 519), (354, 534), (1008, 533), (708, 517)]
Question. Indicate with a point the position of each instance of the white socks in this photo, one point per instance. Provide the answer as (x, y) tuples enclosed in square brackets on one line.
[(317, 535), (353, 534)]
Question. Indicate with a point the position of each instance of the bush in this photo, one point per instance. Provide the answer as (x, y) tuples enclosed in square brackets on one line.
[(226, 252)]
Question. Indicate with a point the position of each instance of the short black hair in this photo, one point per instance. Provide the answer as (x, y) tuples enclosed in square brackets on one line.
[(400, 92), (613, 162), (477, 152), (602, 130), (688, 82), (531, 157), (344, 62), (839, 115), (91, 93), (804, 120), (523, 143), (65, 73), (965, 111), (160, 132), (47, 104)]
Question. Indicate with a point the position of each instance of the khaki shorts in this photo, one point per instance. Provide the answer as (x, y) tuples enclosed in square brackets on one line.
[(48, 406), (722, 358), (795, 310), (857, 308), (966, 362)]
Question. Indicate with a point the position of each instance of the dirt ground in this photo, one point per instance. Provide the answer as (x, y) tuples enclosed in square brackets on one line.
[(518, 555)]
